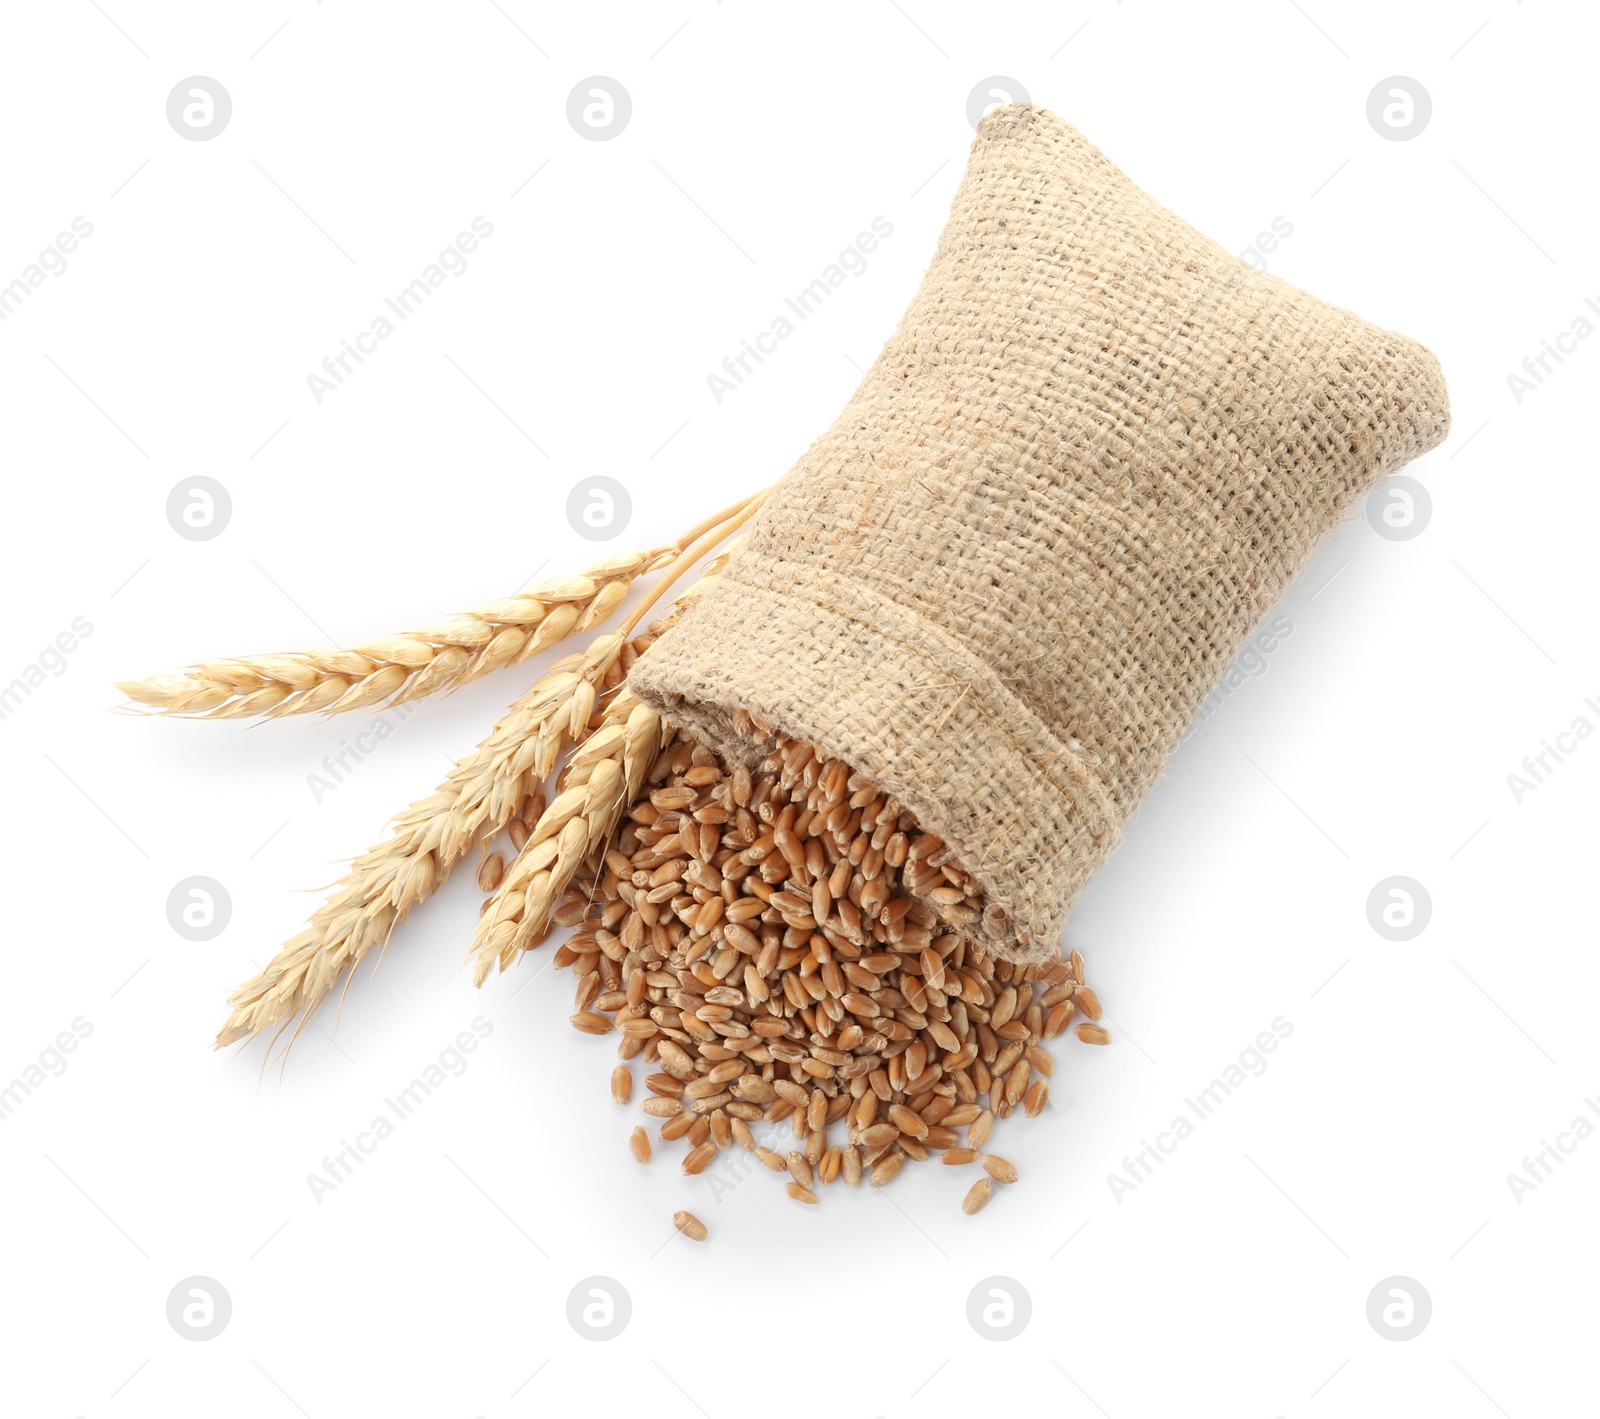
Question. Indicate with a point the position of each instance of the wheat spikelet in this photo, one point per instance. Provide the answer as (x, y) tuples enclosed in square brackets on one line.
[(610, 771)]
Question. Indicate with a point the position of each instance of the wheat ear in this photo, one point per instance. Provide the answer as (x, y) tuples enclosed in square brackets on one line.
[(417, 663), (478, 798)]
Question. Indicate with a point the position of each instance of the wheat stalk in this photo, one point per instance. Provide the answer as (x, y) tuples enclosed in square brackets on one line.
[(478, 798), (418, 663)]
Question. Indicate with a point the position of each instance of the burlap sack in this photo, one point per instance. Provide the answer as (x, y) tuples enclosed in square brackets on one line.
[(1096, 450)]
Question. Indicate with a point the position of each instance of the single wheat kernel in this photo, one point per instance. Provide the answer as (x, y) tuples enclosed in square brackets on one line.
[(887, 1169), (999, 1169), (850, 1165), (829, 1164), (977, 1196), (698, 1159), (690, 1225), (979, 1129), (907, 1121)]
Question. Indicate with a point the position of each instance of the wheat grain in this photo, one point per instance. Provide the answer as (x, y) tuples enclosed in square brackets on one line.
[(887, 1169), (770, 981), (690, 1225), (490, 871), (621, 1084), (850, 1165), (999, 1169), (698, 1159)]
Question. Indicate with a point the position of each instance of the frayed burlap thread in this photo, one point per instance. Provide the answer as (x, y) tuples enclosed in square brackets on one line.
[(1095, 452)]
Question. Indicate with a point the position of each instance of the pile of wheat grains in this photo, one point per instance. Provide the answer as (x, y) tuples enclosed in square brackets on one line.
[(788, 946)]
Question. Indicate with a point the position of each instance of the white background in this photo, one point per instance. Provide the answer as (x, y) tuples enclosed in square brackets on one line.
[(763, 138)]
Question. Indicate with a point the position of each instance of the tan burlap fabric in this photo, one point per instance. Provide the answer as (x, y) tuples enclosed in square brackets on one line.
[(1096, 450)]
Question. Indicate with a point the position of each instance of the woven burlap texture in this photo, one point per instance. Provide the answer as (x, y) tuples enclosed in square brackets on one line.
[(1095, 451)]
